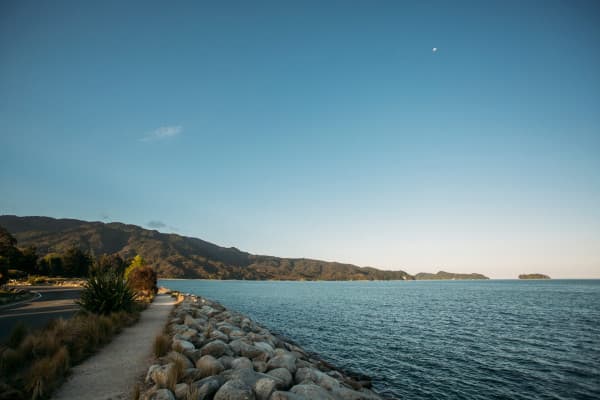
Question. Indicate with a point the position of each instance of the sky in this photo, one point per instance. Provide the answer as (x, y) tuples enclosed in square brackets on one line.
[(325, 129)]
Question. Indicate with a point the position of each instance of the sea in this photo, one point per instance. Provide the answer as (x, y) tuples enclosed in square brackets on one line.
[(496, 339)]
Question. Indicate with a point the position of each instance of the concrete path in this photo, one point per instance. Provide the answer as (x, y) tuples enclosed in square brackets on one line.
[(112, 372)]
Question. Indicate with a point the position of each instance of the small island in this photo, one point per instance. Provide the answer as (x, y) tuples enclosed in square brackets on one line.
[(533, 276), (443, 275)]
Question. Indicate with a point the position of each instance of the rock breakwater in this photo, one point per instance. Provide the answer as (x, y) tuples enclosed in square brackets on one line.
[(223, 355)]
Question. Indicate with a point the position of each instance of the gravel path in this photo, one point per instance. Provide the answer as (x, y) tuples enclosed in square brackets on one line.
[(111, 373)]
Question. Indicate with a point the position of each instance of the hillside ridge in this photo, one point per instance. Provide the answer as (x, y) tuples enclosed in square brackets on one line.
[(177, 256)]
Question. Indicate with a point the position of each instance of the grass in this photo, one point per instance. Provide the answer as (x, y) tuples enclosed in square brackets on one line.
[(162, 345), (34, 364)]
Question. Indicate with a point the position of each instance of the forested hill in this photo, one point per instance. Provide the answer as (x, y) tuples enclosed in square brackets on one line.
[(176, 256), (423, 276)]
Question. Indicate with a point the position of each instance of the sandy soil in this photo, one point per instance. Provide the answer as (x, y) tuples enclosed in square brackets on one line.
[(112, 372)]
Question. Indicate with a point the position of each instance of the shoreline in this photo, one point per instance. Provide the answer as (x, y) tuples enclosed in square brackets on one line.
[(222, 353)]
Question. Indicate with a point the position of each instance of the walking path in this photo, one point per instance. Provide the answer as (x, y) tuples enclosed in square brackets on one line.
[(112, 372)]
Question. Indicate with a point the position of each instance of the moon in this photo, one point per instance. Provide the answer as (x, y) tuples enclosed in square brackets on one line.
[(434, 50)]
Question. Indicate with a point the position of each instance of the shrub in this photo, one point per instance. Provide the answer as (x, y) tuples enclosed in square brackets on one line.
[(105, 293), (143, 279)]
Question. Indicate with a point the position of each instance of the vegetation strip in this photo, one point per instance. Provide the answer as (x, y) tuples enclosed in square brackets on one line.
[(210, 352)]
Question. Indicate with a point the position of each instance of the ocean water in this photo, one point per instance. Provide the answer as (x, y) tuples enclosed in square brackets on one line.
[(437, 339)]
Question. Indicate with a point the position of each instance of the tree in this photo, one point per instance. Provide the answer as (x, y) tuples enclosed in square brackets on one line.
[(9, 254), (107, 262), (28, 260), (76, 262), (51, 264), (137, 261)]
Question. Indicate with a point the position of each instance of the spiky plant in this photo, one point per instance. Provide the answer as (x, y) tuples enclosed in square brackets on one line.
[(106, 292)]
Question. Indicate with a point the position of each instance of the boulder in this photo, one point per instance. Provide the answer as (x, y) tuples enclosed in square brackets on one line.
[(312, 392), (181, 391), (216, 348), (162, 394), (284, 376), (183, 344), (263, 388), (208, 365), (179, 358), (344, 393), (312, 375), (235, 390), (226, 361), (243, 348), (159, 373), (259, 366), (287, 361), (286, 396), (241, 362), (207, 387)]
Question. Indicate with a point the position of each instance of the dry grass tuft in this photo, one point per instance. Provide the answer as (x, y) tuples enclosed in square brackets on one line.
[(137, 392), (193, 393), (38, 364), (180, 362), (162, 344)]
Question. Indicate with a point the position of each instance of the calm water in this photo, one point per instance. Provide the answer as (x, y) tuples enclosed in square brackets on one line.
[(442, 340)]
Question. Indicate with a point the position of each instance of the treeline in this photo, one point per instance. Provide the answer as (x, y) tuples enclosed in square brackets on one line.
[(74, 262)]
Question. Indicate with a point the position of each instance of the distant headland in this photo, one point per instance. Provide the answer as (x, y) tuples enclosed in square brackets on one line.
[(443, 275), (533, 276)]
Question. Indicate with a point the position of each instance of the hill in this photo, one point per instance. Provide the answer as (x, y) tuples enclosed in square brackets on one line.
[(533, 276), (423, 276), (176, 256)]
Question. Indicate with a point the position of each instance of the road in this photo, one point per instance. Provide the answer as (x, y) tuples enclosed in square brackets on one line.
[(55, 302)]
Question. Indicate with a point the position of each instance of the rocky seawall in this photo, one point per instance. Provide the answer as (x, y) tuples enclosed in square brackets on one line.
[(223, 355)]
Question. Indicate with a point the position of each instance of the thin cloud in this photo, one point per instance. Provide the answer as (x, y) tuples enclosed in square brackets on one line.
[(156, 224), (164, 132)]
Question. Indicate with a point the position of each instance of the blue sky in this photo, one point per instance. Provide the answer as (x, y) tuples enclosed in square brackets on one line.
[(315, 129)]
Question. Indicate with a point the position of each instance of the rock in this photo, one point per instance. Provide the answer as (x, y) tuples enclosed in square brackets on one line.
[(216, 348), (284, 375), (286, 396), (259, 366), (193, 323), (183, 344), (312, 392), (162, 394), (235, 390), (179, 358), (304, 364), (191, 374), (181, 391), (208, 365), (158, 374), (216, 334), (287, 361), (344, 393), (236, 334), (189, 334), (311, 375), (245, 349), (263, 388), (241, 362), (226, 361), (150, 374), (207, 387)]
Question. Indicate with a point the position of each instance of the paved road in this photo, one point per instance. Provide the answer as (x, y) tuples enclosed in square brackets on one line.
[(55, 302)]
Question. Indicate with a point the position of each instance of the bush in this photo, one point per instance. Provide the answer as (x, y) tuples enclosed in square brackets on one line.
[(105, 293), (143, 279)]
